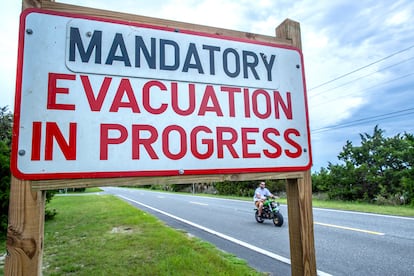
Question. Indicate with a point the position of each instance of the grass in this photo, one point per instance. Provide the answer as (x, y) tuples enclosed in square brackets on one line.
[(102, 235), (397, 210)]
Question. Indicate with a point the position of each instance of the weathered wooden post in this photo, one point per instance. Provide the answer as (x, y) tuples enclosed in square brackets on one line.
[(299, 194), (25, 229)]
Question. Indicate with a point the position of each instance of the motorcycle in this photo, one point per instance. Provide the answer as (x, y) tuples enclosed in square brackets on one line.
[(270, 211)]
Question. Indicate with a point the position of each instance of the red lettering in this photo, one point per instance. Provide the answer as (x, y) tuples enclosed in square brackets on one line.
[(298, 148), (105, 140), (36, 140), (231, 91), (124, 88), (191, 101), (138, 140), (287, 108), (52, 90), (207, 142), (255, 106), (146, 97), (182, 142), (209, 93), (246, 102), (53, 133), (266, 137), (246, 142), (221, 142), (95, 103)]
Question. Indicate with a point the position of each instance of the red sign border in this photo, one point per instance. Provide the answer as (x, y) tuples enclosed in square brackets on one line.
[(76, 175)]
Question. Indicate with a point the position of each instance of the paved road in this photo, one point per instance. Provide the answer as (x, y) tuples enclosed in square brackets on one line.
[(346, 243)]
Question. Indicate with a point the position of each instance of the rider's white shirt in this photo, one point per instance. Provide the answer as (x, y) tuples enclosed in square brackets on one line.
[(263, 193)]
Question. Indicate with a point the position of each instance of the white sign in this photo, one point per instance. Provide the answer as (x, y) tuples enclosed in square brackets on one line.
[(103, 98)]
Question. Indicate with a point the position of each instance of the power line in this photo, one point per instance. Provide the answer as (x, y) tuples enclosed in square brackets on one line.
[(368, 88), (360, 68), (359, 78), (384, 116)]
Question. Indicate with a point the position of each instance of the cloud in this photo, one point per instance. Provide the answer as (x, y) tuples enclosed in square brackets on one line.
[(9, 22)]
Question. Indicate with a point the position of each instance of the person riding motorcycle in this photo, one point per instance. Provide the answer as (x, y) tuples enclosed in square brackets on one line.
[(260, 195)]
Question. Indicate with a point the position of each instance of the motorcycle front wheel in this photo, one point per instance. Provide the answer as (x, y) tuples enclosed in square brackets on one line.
[(278, 219), (258, 218)]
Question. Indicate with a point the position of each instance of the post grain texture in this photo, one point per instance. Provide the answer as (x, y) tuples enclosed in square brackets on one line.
[(299, 193), (25, 229)]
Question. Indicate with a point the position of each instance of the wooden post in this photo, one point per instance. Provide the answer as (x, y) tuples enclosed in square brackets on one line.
[(299, 193), (25, 229), (302, 248)]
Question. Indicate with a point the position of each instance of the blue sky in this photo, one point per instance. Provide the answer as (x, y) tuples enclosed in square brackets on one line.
[(359, 57)]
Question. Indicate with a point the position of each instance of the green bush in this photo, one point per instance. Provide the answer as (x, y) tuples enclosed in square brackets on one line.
[(379, 170), (6, 126), (4, 186)]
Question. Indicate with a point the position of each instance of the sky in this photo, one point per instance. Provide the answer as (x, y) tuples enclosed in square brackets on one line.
[(358, 57)]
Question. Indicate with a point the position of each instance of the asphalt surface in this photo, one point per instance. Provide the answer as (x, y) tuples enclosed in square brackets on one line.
[(346, 243)]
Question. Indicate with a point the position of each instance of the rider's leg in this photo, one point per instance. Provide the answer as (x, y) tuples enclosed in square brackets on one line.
[(260, 208)]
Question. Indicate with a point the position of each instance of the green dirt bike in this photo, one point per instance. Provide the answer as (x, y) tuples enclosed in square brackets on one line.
[(270, 211)]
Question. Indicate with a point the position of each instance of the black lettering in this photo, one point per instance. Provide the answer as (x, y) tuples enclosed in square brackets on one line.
[(251, 64), (176, 48), (236, 62), (192, 52), (95, 43), (118, 43), (268, 65), (211, 50), (140, 45)]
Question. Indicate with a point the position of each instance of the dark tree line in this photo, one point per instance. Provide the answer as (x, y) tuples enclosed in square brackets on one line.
[(6, 127), (6, 124), (379, 170)]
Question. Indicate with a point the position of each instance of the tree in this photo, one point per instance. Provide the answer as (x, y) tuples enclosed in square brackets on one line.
[(321, 181), (6, 123), (380, 168), (6, 127)]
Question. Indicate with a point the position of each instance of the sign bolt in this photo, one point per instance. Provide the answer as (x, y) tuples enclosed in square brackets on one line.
[(22, 152), (180, 171), (29, 31), (89, 34), (297, 66)]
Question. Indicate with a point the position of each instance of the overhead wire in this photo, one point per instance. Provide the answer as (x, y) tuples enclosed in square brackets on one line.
[(361, 77), (384, 116), (365, 89), (361, 68)]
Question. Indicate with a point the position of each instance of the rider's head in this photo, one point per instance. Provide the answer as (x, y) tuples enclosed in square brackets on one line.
[(262, 185)]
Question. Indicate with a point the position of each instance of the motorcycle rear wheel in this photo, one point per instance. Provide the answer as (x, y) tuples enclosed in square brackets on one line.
[(278, 219), (258, 218)]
